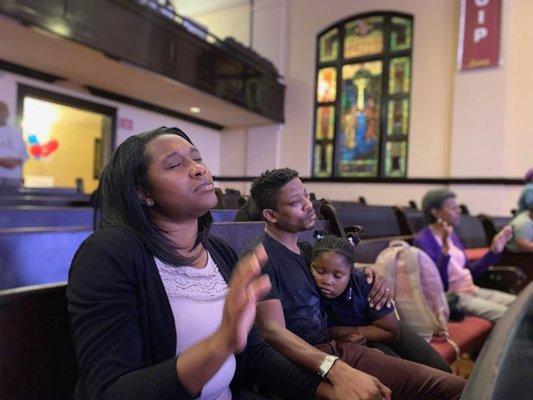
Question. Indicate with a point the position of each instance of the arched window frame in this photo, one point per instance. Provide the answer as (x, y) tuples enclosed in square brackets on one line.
[(382, 171)]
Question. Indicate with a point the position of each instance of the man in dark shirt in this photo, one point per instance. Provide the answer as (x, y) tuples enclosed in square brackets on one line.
[(292, 320), (295, 289)]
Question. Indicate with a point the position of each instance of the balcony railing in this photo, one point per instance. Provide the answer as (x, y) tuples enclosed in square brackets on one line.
[(150, 35)]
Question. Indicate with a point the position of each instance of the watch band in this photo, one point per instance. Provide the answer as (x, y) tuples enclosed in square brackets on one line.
[(326, 365)]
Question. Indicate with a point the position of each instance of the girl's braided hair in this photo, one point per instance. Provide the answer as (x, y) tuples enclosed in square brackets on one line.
[(344, 247)]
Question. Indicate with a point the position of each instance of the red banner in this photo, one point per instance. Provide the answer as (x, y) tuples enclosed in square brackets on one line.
[(479, 40)]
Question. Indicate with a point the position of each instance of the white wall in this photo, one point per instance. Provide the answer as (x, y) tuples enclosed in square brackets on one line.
[(232, 21), (270, 31), (473, 124), (518, 62), (495, 200), (435, 36), (206, 139), (492, 131), (233, 152)]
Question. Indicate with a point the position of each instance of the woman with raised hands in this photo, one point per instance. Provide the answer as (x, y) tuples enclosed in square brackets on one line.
[(160, 308)]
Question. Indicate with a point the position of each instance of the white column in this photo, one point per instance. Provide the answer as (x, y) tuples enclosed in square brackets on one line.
[(270, 30), (269, 40), (233, 152), (262, 151)]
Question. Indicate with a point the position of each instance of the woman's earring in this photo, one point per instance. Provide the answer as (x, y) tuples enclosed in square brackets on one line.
[(149, 202)]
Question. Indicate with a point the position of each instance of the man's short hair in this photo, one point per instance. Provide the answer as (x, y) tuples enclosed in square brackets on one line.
[(266, 187), (434, 199)]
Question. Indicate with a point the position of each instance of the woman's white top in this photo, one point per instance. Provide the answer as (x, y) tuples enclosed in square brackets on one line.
[(197, 297)]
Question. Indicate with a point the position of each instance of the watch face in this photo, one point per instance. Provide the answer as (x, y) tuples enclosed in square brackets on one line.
[(326, 365)]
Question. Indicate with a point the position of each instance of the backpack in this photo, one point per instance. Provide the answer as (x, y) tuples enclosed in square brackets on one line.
[(417, 288)]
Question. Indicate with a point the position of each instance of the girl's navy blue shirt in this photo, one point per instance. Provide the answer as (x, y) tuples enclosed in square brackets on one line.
[(351, 308)]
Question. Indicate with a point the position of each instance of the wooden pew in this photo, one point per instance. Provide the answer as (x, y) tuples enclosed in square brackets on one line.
[(472, 234), (37, 359), (231, 199), (31, 256), (239, 234), (411, 220), (43, 197), (39, 216), (377, 221), (223, 215), (503, 369)]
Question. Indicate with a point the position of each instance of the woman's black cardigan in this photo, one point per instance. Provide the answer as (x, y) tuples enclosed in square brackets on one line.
[(124, 333)]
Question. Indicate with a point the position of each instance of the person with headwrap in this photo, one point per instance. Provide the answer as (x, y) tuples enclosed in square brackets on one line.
[(522, 223), (526, 197)]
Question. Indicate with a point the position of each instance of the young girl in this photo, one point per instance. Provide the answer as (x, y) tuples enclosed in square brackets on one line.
[(344, 292)]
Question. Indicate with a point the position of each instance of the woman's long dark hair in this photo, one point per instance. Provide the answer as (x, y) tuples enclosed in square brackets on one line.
[(117, 200)]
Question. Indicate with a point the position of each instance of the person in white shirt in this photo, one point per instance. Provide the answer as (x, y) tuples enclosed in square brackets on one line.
[(12, 150)]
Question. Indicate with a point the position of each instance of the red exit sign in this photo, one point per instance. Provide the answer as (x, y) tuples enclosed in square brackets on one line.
[(125, 123)]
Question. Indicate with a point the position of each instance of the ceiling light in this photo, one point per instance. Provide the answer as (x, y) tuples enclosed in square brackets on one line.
[(195, 110)]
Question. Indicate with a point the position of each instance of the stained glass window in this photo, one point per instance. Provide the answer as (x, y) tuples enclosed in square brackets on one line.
[(329, 46), (323, 160), (362, 106), (326, 90), (359, 123), (324, 134), (399, 75), (396, 159), (400, 37), (398, 117), (325, 119), (363, 37)]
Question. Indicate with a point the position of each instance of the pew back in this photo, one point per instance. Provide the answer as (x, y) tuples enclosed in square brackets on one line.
[(239, 234), (493, 225), (412, 220), (503, 369), (223, 215), (37, 359), (471, 232), (31, 256), (38, 216), (377, 221)]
